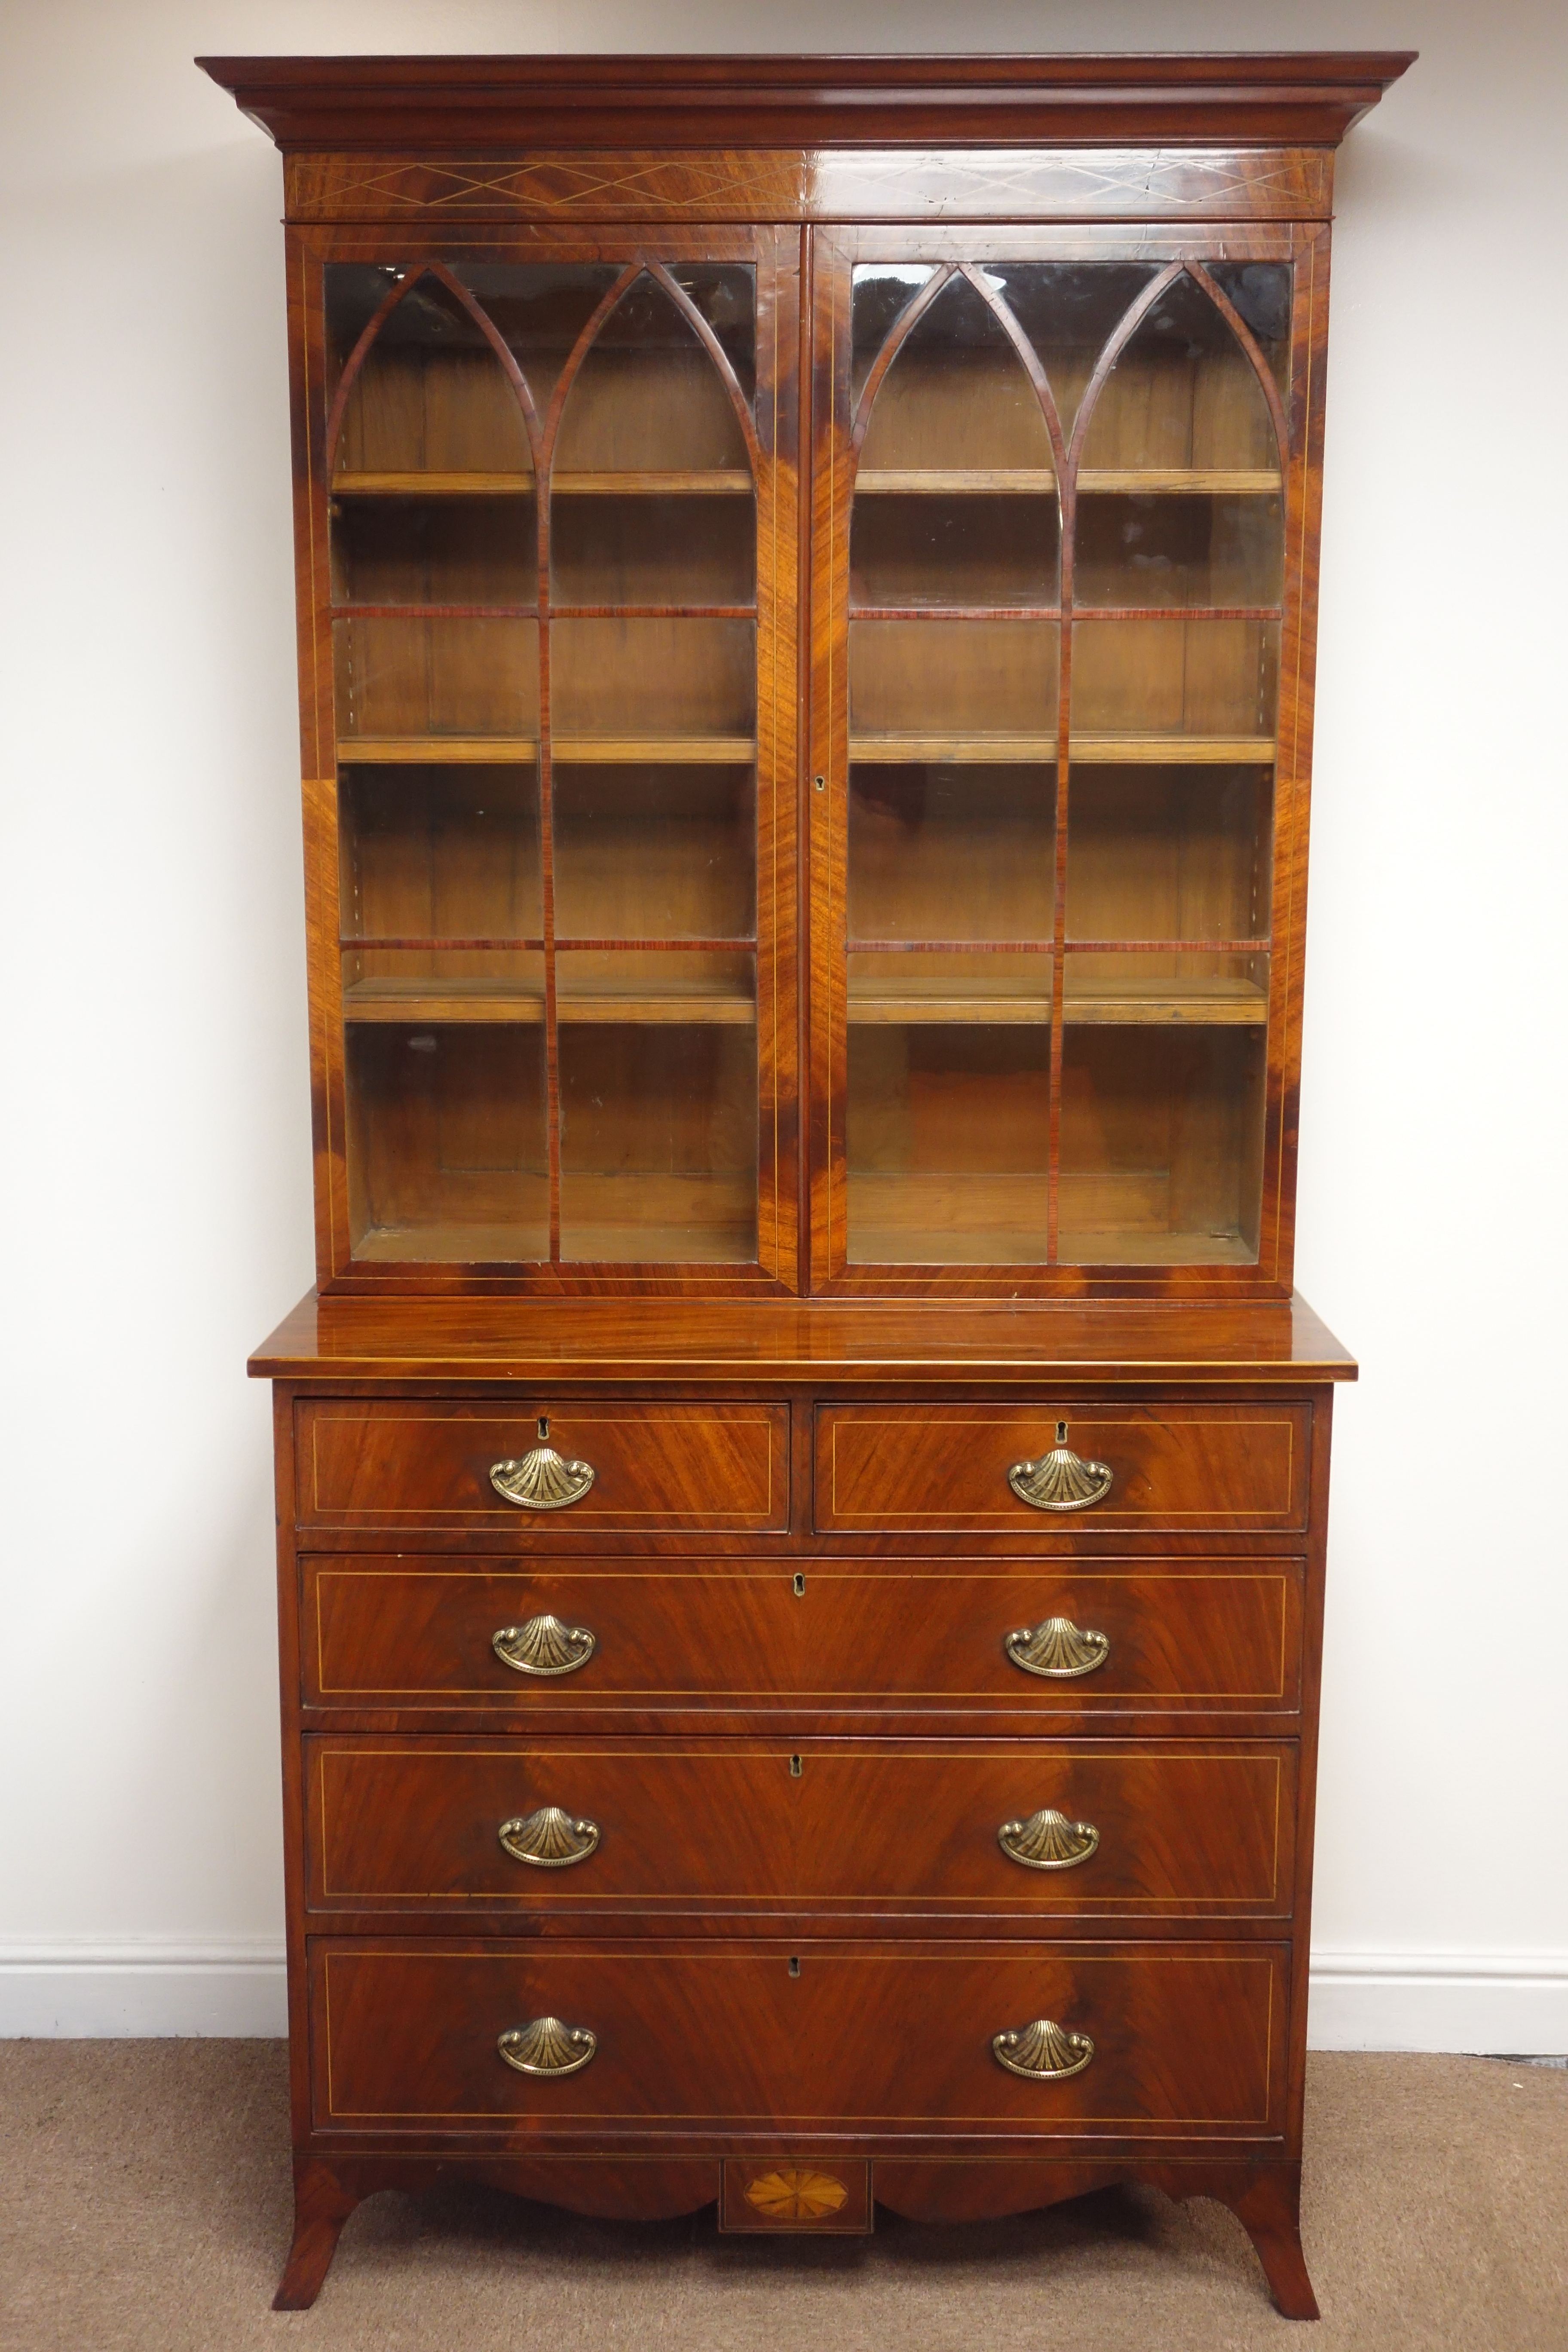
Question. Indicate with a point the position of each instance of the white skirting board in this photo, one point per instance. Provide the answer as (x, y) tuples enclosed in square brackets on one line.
[(1505, 2002)]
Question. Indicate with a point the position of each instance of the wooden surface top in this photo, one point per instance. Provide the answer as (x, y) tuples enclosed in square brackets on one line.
[(786, 1339), (466, 104)]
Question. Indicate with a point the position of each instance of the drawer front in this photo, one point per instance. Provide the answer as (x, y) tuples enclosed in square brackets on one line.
[(943, 1469), (1186, 2040), (383, 1632), (1161, 1828), (413, 1465)]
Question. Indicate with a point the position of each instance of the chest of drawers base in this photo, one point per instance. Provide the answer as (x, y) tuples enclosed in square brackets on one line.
[(804, 1813)]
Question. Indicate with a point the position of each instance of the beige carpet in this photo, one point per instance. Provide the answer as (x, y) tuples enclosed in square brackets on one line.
[(145, 2203)]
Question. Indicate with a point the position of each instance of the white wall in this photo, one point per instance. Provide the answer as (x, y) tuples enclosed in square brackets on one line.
[(157, 1162)]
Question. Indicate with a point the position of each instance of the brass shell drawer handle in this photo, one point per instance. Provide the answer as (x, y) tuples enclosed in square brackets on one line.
[(1060, 1480), (1056, 1649), (1046, 1841), (549, 1839), (1042, 2052), (541, 1480), (546, 2046), (543, 1646)]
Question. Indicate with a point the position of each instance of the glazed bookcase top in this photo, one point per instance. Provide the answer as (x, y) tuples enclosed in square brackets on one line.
[(807, 593)]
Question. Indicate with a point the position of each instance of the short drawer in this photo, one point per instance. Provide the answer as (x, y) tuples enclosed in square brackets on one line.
[(1057, 1827), (1186, 2040), (414, 1463), (388, 1631), (943, 1469)]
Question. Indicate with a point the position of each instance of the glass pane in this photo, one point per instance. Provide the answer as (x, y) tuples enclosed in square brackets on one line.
[(401, 681), (956, 398), (649, 398), (656, 853), (923, 690), (658, 1109), (1146, 550), (653, 549), (434, 550), (1183, 396), (1260, 291), (540, 310), (431, 396), (686, 689), (1169, 852), (1068, 311), (952, 852), (1182, 690), (439, 851), (947, 1143), (447, 1150), (944, 550), (1161, 1143)]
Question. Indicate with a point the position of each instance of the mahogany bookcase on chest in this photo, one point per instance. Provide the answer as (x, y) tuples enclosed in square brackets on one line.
[(803, 1481)]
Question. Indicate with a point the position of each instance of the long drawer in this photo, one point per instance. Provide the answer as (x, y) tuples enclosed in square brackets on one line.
[(1186, 2040), (410, 1633), (414, 1463), (1059, 1827), (965, 1469)]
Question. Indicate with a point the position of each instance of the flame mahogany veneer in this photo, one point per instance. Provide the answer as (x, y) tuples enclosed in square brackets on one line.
[(783, 1915)]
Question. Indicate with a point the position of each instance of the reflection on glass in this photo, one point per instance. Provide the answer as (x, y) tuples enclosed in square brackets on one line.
[(1169, 852), (943, 550), (1260, 293), (1161, 1143), (1148, 550), (947, 1143), (956, 397), (952, 852), (447, 1141), (656, 853)]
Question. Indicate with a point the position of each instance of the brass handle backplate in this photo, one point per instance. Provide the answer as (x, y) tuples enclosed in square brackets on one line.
[(1046, 1841), (541, 1480), (549, 1839), (543, 1646), (1056, 1649), (1060, 1480), (1042, 2052), (546, 2046)]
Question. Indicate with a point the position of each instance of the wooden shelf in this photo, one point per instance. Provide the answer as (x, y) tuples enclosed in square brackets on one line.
[(491, 1003), (418, 485), (1130, 1003), (710, 482), (1001, 746), (429, 751), (970, 1220), (1028, 481)]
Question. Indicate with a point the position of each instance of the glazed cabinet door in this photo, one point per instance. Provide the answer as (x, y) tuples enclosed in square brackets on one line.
[(550, 551), (1063, 499)]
